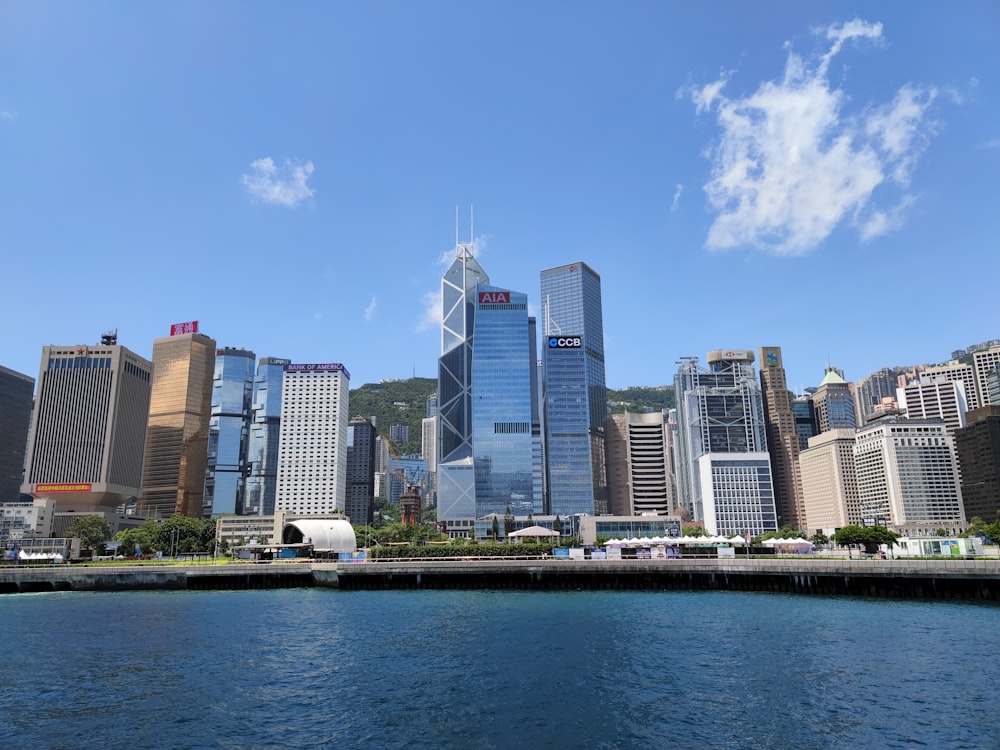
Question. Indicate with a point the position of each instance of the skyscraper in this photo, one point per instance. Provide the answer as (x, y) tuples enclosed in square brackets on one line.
[(830, 482), (502, 379), (782, 439), (834, 403), (978, 449), (312, 460), (228, 432), (575, 391), (360, 470), (89, 426), (16, 392), (456, 485), (908, 475), (262, 448), (935, 398), (723, 467), (871, 390), (637, 464), (176, 456)]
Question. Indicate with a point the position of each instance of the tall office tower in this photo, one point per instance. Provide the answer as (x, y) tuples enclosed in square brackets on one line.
[(908, 475), (537, 441), (834, 403), (262, 445), (984, 362), (935, 399), (957, 372), (993, 386), (870, 391), (637, 464), (805, 419), (456, 482), (978, 448), (229, 432), (312, 443), (502, 370), (541, 479), (782, 439), (428, 442), (723, 464), (399, 433), (575, 391), (176, 457), (16, 392), (360, 470), (432, 405), (830, 482), (89, 426)]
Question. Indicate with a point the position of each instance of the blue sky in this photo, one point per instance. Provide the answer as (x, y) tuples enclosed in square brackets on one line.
[(817, 176)]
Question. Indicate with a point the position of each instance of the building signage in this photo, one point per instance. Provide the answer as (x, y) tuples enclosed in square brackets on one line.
[(494, 298), (180, 328), (771, 358), (62, 488), (276, 361), (329, 367), (565, 342)]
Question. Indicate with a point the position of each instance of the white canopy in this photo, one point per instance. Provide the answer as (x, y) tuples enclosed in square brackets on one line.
[(534, 531)]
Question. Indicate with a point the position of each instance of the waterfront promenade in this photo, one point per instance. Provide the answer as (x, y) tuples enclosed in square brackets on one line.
[(900, 578)]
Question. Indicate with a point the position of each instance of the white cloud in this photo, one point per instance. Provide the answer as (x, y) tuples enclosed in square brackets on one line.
[(791, 165), (431, 319), (282, 186), (991, 143), (678, 190), (370, 310), (7, 114)]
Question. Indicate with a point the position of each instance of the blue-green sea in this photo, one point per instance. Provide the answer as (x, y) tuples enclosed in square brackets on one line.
[(315, 668)]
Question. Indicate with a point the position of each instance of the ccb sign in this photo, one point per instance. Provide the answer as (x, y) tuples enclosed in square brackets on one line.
[(565, 342)]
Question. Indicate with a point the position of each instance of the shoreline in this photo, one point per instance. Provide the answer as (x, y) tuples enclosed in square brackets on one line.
[(975, 579)]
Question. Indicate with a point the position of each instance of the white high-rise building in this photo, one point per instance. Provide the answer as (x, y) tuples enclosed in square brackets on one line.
[(312, 452), (935, 398), (723, 467), (984, 363), (955, 371), (908, 475)]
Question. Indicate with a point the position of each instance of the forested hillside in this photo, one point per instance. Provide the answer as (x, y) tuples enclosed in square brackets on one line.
[(405, 402)]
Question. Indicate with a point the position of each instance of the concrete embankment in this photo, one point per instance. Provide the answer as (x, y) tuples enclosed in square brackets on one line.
[(905, 579)]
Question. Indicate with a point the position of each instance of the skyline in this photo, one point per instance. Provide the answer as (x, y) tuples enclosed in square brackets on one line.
[(289, 177)]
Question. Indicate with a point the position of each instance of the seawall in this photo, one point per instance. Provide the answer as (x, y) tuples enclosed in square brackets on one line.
[(904, 579)]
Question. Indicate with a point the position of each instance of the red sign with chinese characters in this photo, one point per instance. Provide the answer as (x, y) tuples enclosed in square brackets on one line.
[(179, 328)]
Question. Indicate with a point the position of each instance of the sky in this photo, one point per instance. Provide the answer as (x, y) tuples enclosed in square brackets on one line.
[(816, 176)]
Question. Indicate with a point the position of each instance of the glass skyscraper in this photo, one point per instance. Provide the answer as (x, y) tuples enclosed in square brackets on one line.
[(575, 395), (502, 377), (262, 449), (456, 490), (16, 395), (228, 431)]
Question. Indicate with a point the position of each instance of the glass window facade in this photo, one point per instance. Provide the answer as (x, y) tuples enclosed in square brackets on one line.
[(262, 448), (501, 404), (574, 387), (228, 431)]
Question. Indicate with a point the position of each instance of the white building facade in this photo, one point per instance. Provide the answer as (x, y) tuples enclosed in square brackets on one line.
[(312, 452)]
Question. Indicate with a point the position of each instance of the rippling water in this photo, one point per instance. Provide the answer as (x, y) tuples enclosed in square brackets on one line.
[(441, 669)]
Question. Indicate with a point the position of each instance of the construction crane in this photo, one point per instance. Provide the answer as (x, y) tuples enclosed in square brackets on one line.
[(410, 500)]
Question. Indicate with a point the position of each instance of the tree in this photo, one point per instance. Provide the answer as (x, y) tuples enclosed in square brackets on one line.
[(557, 525), (508, 522), (693, 531), (940, 532), (496, 528), (819, 538), (144, 537), (869, 537), (92, 531)]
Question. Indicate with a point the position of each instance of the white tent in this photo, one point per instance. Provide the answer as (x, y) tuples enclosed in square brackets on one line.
[(533, 531)]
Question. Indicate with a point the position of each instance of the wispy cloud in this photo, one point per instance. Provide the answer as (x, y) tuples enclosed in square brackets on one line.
[(791, 165), (991, 143), (7, 114), (678, 190), (283, 185), (370, 310), (431, 319)]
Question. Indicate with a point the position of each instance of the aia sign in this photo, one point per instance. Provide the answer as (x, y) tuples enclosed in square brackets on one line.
[(494, 298)]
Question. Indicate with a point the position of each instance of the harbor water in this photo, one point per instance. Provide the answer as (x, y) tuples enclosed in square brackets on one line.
[(317, 668)]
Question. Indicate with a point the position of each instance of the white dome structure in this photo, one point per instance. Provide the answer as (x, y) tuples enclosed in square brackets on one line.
[(324, 534)]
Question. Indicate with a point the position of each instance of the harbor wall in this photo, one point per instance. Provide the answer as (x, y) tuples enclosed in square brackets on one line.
[(977, 579)]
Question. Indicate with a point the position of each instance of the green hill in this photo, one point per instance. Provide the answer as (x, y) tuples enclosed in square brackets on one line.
[(405, 402), (395, 402)]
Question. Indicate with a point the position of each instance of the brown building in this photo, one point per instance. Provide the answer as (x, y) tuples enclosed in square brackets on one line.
[(636, 457), (978, 449), (173, 476), (782, 439)]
